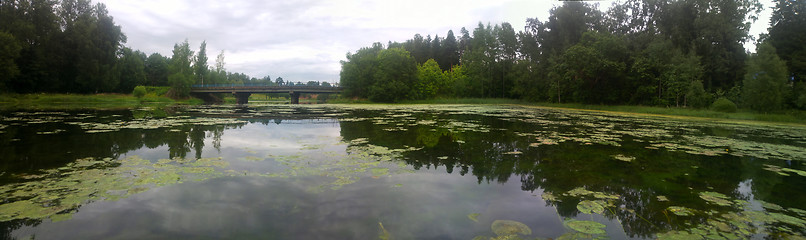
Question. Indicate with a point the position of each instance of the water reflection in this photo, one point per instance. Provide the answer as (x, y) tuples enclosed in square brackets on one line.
[(495, 148)]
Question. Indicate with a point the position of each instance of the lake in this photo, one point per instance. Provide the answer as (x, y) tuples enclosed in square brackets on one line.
[(396, 172)]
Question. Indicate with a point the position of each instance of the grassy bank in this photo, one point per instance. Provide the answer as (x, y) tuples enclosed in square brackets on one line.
[(792, 116), (77, 101)]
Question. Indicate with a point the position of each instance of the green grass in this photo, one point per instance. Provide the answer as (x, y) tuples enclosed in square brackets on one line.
[(791, 116), (91, 101), (472, 101)]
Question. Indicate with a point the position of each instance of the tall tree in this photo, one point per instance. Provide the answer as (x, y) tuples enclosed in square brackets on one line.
[(219, 62), (157, 70), (200, 63), (395, 73), (430, 81), (9, 51), (450, 52), (358, 72), (765, 83), (130, 70), (181, 77), (787, 35)]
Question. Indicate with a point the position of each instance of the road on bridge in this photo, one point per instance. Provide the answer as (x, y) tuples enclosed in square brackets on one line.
[(242, 92)]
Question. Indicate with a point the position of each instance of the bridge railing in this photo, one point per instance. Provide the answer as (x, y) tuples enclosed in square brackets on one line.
[(257, 85)]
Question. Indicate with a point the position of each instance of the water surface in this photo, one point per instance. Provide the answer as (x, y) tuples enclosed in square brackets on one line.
[(400, 172)]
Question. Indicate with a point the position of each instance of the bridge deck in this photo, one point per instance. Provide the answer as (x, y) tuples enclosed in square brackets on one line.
[(265, 89), (242, 92)]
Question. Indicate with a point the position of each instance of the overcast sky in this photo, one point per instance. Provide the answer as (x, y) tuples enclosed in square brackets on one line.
[(304, 40)]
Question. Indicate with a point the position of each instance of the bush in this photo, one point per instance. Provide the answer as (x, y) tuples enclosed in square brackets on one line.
[(723, 105), (696, 96), (139, 91)]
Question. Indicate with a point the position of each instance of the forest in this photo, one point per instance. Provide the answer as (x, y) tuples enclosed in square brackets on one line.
[(74, 46), (673, 53)]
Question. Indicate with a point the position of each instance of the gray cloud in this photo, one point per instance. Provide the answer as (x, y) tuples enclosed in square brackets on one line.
[(302, 40)]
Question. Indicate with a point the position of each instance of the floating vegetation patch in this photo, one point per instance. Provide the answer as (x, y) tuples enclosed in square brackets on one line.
[(591, 207), (474, 217), (716, 198), (681, 211), (587, 227), (96, 127), (621, 157), (61, 191), (783, 171), (509, 227), (57, 193)]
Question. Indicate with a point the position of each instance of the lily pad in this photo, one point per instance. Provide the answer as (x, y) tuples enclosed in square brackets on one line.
[(509, 227), (623, 158), (548, 196), (716, 198), (589, 227), (681, 211), (474, 216), (590, 207)]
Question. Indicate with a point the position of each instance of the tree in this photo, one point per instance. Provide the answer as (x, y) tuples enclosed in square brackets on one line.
[(787, 36), (592, 71), (715, 31), (130, 70), (200, 63), (430, 81), (358, 72), (279, 81), (156, 69), (93, 43), (181, 77), (696, 96), (397, 70), (450, 52), (219, 62), (765, 83), (9, 51)]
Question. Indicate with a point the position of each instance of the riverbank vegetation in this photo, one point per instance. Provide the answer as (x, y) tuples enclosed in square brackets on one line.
[(152, 96), (685, 53), (75, 47)]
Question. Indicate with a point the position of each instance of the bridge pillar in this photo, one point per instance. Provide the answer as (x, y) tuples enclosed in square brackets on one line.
[(294, 97), (242, 97)]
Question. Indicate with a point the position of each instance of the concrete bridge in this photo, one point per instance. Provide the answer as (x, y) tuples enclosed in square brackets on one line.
[(242, 91)]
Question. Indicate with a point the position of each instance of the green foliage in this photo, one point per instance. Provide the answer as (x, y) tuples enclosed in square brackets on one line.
[(696, 96), (723, 105), (9, 50), (765, 83), (130, 70), (200, 68), (430, 81), (786, 35), (139, 91), (358, 72), (799, 95), (396, 72), (181, 77), (591, 71)]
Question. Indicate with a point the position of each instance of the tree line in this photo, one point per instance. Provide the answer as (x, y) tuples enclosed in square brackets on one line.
[(643, 52), (74, 46)]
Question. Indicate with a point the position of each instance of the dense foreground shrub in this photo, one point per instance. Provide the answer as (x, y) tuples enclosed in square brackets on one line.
[(723, 105)]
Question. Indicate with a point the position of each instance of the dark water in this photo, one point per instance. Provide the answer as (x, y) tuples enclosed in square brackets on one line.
[(399, 172)]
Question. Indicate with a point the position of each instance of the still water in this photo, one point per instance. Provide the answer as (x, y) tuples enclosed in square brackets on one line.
[(395, 172)]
